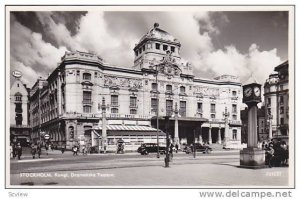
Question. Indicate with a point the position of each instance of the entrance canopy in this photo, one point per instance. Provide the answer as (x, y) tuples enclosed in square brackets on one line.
[(133, 130)]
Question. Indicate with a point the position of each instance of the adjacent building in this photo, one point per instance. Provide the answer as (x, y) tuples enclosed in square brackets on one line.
[(277, 102), (19, 115), (86, 99)]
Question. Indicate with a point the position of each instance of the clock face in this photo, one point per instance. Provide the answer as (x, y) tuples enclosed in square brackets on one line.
[(256, 91), (248, 92)]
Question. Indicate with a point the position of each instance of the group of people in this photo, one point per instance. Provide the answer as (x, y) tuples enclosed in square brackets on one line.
[(277, 153), (16, 150)]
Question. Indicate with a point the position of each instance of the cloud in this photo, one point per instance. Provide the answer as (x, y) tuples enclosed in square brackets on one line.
[(113, 35), (28, 49), (231, 61)]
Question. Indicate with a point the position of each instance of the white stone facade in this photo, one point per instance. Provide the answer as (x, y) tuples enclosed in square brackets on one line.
[(78, 85)]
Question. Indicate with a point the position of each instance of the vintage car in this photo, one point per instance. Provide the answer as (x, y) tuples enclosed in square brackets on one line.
[(199, 147), (147, 148)]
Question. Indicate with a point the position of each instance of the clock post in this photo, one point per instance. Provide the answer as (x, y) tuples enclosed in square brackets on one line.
[(252, 156)]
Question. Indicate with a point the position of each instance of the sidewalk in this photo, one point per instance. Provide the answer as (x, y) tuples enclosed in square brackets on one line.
[(191, 175)]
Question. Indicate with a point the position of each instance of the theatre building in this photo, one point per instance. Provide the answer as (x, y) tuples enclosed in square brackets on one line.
[(88, 100)]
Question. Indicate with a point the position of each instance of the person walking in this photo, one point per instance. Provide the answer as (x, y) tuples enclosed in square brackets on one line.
[(19, 150), (39, 150), (176, 147), (33, 150), (75, 150), (63, 148)]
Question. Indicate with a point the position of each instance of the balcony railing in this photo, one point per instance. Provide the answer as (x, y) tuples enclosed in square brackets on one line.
[(87, 102)]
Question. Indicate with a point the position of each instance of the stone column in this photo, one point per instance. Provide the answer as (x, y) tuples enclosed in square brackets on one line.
[(209, 135), (104, 123), (200, 136), (219, 136), (252, 127), (270, 127)]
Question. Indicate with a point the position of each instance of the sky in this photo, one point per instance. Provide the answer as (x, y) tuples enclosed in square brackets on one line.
[(215, 43)]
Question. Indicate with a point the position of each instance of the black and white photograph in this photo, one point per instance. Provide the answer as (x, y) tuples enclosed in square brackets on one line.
[(150, 97)]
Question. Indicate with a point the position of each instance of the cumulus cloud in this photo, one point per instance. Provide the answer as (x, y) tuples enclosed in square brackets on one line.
[(113, 36), (28, 49)]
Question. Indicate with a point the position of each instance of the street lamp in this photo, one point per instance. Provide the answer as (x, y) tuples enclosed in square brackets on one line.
[(157, 120), (167, 158)]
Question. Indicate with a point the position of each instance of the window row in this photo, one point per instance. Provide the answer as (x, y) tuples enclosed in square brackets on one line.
[(158, 46)]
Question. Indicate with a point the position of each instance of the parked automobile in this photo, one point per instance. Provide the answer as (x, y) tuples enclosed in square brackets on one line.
[(199, 147), (147, 148)]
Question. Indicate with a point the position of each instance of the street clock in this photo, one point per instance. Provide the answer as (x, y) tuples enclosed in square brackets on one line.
[(252, 93)]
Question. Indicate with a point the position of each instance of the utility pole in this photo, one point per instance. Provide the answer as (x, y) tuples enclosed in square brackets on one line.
[(167, 159)]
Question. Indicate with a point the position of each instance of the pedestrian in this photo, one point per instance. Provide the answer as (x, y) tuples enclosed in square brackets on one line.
[(75, 150), (46, 147), (84, 150), (176, 147), (14, 150), (33, 150), (39, 150), (63, 148), (19, 150)]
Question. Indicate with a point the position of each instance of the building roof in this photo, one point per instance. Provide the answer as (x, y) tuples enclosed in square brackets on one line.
[(283, 65), (158, 33)]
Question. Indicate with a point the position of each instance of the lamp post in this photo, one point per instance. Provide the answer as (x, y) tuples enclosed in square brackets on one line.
[(194, 145), (226, 114), (157, 120), (167, 158)]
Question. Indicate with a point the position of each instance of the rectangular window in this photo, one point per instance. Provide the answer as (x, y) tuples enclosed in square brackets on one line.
[(269, 111), (133, 111), (87, 109), (157, 46), (233, 93), (234, 134), (165, 47), (282, 121), (212, 108), (234, 108), (87, 97), (281, 100), (281, 87), (212, 116), (154, 86), (87, 76), (114, 110), (172, 49), (182, 90), (234, 117), (95, 74), (169, 88), (169, 107), (19, 119), (182, 110), (154, 105), (144, 48), (18, 98), (132, 102), (269, 102), (281, 110), (136, 53), (199, 107), (18, 108), (114, 100)]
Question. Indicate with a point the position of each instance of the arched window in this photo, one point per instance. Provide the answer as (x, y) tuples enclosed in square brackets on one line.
[(182, 90), (18, 97)]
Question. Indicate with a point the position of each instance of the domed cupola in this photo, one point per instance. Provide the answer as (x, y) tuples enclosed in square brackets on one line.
[(153, 47)]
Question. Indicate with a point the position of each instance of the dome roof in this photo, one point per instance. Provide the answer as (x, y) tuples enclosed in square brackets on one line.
[(157, 33)]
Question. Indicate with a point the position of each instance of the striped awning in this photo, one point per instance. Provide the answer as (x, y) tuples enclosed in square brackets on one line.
[(113, 130), (127, 128)]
